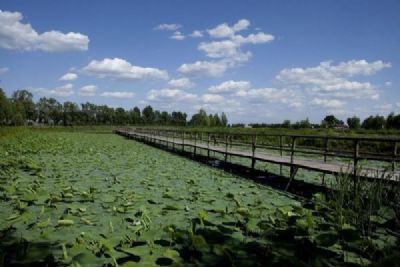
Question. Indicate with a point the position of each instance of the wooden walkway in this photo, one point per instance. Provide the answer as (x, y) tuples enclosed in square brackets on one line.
[(291, 161)]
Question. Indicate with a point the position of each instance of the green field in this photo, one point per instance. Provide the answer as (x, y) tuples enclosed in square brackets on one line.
[(87, 197)]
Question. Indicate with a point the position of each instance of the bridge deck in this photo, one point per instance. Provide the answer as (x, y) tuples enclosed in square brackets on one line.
[(309, 164)]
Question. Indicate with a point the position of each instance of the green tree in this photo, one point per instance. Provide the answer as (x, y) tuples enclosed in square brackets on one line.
[(374, 123), (354, 122), (286, 124), (24, 100), (148, 115), (70, 113), (5, 108), (224, 119), (331, 121), (393, 121), (217, 120), (200, 119)]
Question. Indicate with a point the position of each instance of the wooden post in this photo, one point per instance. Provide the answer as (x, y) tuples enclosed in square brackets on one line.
[(208, 145), (253, 151), (394, 156), (355, 156), (173, 141), (280, 152), (292, 155), (226, 147), (183, 141), (355, 163), (195, 144), (325, 156)]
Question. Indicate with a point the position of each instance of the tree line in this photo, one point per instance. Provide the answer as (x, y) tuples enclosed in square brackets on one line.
[(377, 122), (21, 109)]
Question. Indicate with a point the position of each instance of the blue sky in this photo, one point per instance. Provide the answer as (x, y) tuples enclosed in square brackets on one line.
[(259, 61)]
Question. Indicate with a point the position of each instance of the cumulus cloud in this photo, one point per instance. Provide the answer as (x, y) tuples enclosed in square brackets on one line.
[(177, 36), (182, 83), (196, 34), (327, 103), (228, 51), (230, 86), (170, 95), (168, 27), (88, 90), (69, 77), (274, 95), (212, 98), (16, 35), (335, 80), (210, 68), (121, 94), (120, 69), (62, 91), (225, 31)]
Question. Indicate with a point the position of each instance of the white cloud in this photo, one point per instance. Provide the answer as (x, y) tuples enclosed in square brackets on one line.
[(3, 70), (225, 31), (219, 49), (121, 94), (211, 68), (388, 84), (16, 35), (196, 34), (117, 68), (62, 91), (242, 24), (230, 86), (172, 95), (168, 27), (178, 36), (182, 83), (69, 77), (216, 67), (258, 38), (228, 51), (334, 80), (212, 98), (88, 90), (327, 103), (274, 95)]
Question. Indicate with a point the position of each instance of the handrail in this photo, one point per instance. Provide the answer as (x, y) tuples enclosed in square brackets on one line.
[(291, 144)]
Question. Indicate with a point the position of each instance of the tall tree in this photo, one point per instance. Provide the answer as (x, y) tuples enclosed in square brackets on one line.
[(353, 122), (224, 119), (148, 115), (24, 101), (5, 108)]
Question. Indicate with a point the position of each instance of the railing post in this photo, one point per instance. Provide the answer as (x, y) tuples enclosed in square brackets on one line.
[(355, 156), (195, 144), (394, 156), (292, 155), (253, 151), (183, 141), (226, 147), (280, 152), (326, 139), (173, 140), (355, 163), (208, 145)]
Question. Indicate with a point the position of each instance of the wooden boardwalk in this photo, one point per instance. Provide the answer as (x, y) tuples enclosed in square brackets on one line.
[(293, 162)]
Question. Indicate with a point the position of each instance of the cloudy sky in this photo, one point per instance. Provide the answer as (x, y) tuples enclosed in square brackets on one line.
[(259, 61)]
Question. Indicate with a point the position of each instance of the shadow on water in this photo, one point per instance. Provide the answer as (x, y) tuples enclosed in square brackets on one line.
[(297, 187)]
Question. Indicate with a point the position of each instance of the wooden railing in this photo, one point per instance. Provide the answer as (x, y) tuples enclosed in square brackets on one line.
[(384, 149)]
